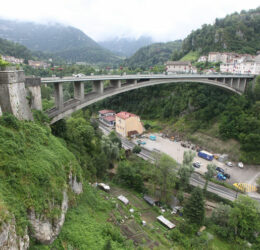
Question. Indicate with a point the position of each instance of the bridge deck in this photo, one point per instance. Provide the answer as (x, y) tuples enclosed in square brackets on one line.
[(145, 77)]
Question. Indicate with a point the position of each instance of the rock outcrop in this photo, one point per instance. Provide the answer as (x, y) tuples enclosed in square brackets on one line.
[(9, 240), (44, 230), (75, 186)]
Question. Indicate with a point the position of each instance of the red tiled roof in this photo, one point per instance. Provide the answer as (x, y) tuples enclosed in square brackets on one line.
[(105, 111), (124, 115), (109, 118)]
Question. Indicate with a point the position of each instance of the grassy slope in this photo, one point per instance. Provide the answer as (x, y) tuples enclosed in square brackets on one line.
[(33, 169), (191, 56), (86, 225)]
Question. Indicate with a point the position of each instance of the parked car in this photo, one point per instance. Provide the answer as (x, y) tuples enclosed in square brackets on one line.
[(227, 175), (221, 177), (240, 165), (229, 164), (219, 169), (196, 164), (139, 142)]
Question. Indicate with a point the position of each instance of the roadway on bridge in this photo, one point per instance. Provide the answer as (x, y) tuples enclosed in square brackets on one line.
[(140, 76)]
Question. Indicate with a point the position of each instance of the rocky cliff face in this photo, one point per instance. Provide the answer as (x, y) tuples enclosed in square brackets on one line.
[(44, 230), (9, 240)]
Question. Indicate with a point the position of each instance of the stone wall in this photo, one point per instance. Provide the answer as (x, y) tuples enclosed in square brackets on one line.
[(13, 94)]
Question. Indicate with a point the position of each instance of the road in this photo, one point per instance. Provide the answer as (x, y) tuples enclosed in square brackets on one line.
[(195, 179)]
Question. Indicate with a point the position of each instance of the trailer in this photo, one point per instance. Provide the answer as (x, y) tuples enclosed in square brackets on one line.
[(165, 222), (206, 155)]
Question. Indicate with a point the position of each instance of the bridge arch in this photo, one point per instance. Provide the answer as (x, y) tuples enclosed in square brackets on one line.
[(73, 105)]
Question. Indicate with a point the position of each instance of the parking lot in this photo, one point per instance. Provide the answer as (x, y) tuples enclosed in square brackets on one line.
[(174, 149)]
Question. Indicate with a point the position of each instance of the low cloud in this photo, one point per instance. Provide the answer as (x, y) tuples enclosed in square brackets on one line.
[(101, 19)]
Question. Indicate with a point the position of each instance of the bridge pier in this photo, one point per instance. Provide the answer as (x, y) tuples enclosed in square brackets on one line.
[(33, 85), (98, 86), (79, 91), (131, 81), (229, 81), (116, 83), (242, 85), (58, 95), (13, 94)]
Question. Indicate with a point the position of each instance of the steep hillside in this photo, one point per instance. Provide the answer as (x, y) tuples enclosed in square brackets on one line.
[(34, 171), (14, 49), (56, 38), (157, 53), (238, 32), (126, 46)]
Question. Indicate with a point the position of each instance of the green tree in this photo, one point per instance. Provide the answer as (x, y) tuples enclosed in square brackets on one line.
[(194, 209), (130, 175), (257, 88), (211, 170), (3, 63), (164, 175), (80, 132), (188, 157), (110, 149), (244, 220), (137, 149), (186, 169)]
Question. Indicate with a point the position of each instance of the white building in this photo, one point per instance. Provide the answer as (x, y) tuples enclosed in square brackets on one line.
[(12, 59), (250, 65), (180, 67)]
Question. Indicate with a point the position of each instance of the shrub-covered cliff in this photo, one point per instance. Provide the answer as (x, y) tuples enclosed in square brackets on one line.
[(36, 170)]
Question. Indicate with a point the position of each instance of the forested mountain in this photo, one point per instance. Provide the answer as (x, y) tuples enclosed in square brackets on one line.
[(67, 42), (14, 49), (238, 32), (157, 53), (126, 46)]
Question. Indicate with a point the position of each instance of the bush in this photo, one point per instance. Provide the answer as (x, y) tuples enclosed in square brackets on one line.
[(9, 121), (137, 149)]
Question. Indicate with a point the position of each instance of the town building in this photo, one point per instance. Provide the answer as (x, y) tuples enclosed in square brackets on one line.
[(179, 67), (38, 64), (246, 65), (12, 59), (107, 117), (128, 124)]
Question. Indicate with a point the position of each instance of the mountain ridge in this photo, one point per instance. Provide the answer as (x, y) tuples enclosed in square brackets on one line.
[(58, 39)]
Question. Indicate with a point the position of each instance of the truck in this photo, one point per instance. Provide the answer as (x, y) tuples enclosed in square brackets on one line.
[(206, 155)]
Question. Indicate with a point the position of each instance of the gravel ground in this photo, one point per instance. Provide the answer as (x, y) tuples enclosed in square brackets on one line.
[(174, 149)]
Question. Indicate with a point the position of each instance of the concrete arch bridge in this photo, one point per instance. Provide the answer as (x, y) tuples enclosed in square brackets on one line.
[(104, 86)]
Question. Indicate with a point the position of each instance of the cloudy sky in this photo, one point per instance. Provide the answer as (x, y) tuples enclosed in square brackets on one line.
[(163, 20)]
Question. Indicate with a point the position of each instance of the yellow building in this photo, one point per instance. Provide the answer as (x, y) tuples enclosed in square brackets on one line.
[(128, 124)]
